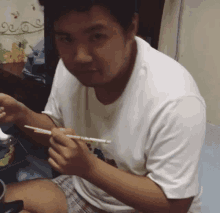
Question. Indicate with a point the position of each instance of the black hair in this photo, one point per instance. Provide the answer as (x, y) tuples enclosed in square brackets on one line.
[(122, 10)]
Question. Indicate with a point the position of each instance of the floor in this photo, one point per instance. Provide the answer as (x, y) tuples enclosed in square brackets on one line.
[(209, 170)]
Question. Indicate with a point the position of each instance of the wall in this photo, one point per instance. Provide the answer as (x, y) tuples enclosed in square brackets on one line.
[(190, 33), (21, 27)]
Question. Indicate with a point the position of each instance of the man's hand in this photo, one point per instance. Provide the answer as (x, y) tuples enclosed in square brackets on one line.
[(69, 156), (11, 109)]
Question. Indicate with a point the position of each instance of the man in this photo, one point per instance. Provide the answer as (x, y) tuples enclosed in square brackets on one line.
[(111, 84)]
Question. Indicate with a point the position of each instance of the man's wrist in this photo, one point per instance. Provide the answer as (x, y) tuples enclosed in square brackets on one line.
[(92, 162)]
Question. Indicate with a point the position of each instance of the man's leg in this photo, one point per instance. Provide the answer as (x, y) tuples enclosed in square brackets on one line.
[(39, 196)]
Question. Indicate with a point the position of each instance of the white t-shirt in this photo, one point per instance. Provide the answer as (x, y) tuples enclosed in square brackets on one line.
[(157, 126)]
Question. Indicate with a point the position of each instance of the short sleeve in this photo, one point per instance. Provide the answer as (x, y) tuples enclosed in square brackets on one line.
[(178, 136), (52, 108)]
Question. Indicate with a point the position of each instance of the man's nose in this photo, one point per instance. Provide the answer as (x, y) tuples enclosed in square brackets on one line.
[(82, 55)]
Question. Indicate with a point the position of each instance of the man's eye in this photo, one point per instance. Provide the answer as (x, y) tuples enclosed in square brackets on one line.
[(98, 37), (64, 39)]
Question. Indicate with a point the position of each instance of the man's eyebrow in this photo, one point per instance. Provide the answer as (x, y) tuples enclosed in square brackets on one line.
[(95, 27), (88, 30)]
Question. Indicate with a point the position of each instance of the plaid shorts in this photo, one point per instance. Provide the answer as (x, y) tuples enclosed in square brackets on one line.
[(76, 203)]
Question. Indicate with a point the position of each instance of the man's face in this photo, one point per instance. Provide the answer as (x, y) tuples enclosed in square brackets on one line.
[(92, 46)]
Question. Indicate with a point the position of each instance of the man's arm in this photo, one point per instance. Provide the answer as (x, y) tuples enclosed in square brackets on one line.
[(39, 120), (138, 192)]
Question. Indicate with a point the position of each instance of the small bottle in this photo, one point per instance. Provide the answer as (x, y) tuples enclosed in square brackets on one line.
[(6, 139), (7, 142)]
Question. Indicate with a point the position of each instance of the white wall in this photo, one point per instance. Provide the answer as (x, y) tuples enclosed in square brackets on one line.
[(190, 33)]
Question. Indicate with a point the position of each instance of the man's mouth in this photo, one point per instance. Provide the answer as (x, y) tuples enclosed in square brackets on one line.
[(85, 72)]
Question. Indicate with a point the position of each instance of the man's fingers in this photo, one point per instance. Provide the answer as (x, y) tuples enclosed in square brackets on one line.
[(3, 118), (55, 156), (62, 142), (60, 136), (57, 147), (2, 114), (54, 165), (67, 131)]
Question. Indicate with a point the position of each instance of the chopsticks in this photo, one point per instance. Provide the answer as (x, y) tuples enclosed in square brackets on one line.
[(47, 132)]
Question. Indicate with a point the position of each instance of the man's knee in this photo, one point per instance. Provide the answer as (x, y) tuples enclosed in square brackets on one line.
[(39, 195)]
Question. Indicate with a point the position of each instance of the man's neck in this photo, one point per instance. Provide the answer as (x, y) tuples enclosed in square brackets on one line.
[(109, 93)]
